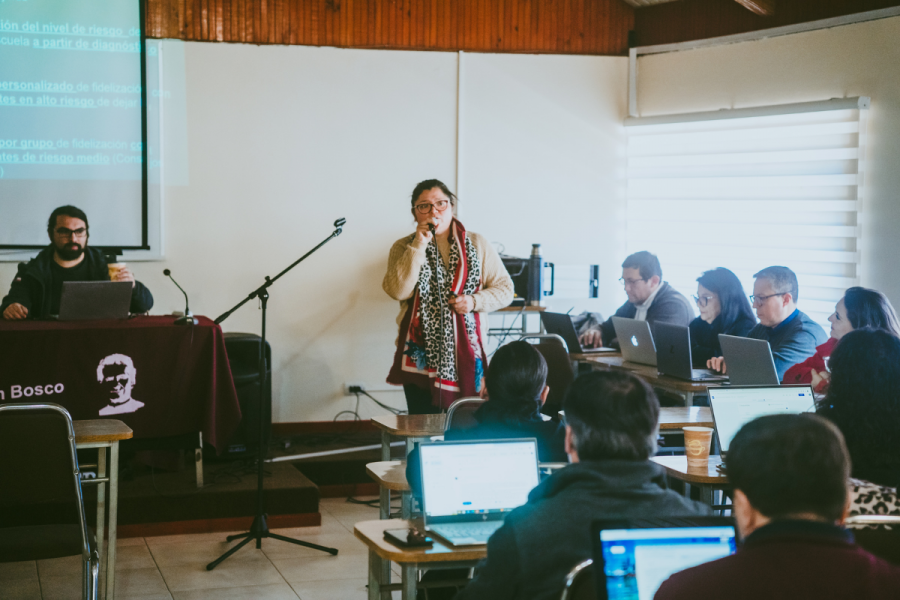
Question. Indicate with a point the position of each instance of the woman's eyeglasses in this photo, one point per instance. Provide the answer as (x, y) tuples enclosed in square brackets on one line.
[(702, 301), (427, 207)]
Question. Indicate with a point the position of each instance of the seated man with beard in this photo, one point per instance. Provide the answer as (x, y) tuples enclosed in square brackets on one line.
[(37, 287)]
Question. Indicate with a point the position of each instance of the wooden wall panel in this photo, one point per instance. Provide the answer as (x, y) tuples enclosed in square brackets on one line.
[(546, 26), (687, 20)]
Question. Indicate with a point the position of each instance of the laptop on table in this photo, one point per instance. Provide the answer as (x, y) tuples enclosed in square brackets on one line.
[(635, 340), (561, 325), (673, 354), (469, 487), (633, 557), (90, 300), (733, 406), (748, 362)]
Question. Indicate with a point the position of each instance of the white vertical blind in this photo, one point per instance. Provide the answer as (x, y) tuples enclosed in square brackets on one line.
[(747, 189)]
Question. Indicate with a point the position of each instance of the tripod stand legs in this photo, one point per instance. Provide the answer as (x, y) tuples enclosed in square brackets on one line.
[(258, 531)]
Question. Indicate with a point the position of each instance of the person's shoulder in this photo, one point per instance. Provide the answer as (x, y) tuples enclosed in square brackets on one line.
[(807, 324), (711, 579)]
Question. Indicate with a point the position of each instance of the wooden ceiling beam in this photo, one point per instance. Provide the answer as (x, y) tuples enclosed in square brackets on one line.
[(763, 8)]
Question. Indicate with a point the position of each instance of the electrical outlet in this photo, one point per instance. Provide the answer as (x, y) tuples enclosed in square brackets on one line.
[(350, 384)]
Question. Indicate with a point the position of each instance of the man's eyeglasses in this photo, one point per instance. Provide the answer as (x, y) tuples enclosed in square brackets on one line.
[(65, 232), (426, 207), (702, 301), (758, 300), (630, 282)]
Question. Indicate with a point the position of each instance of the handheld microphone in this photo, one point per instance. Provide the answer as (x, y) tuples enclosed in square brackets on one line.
[(188, 318), (431, 228)]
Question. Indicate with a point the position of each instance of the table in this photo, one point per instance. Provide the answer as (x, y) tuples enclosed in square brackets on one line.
[(102, 434), (503, 332), (409, 427), (391, 475), (411, 560), (685, 389), (708, 479), (170, 380), (676, 418)]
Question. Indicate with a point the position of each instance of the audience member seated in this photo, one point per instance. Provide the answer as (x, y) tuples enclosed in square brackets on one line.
[(35, 292), (611, 431), (515, 389), (863, 400), (790, 499), (649, 299), (723, 309), (860, 307), (792, 335)]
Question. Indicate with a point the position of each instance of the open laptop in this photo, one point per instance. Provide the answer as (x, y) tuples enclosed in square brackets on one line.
[(561, 325), (469, 487), (633, 557), (635, 340), (673, 354), (90, 300), (733, 406), (748, 362)]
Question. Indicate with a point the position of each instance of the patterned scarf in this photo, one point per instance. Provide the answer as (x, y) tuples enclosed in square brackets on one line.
[(438, 348)]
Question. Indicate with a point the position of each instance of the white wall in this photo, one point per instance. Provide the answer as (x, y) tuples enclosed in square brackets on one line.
[(284, 140), (854, 60)]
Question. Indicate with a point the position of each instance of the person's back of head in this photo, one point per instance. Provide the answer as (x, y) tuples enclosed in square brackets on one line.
[(789, 467), (870, 308), (612, 415), (863, 400), (732, 299), (783, 280), (645, 262), (516, 379)]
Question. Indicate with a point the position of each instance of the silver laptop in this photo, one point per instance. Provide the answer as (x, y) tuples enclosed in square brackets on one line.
[(468, 488), (561, 325), (635, 340), (91, 300), (748, 362), (673, 354), (734, 406)]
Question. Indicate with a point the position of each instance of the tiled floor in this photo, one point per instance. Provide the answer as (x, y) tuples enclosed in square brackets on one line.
[(174, 567)]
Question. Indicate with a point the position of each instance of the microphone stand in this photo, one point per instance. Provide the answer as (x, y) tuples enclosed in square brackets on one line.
[(259, 529)]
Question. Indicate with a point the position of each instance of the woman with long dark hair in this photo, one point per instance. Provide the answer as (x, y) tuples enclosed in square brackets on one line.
[(860, 307), (724, 308), (444, 277)]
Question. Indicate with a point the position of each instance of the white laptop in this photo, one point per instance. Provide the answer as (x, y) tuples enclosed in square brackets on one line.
[(635, 340), (733, 406), (469, 487)]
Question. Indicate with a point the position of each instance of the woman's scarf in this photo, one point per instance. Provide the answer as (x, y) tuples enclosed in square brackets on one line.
[(438, 348)]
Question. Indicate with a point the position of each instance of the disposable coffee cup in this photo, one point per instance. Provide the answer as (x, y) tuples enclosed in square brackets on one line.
[(696, 445), (114, 269)]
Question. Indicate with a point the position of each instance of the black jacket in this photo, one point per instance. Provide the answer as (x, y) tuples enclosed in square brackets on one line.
[(669, 306), (705, 337), (793, 340), (31, 286), (540, 542)]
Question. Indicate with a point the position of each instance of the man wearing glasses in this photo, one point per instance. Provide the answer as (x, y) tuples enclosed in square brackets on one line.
[(649, 299), (792, 335), (37, 287)]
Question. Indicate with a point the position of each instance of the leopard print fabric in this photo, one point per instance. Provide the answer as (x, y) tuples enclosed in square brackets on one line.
[(436, 314), (867, 498)]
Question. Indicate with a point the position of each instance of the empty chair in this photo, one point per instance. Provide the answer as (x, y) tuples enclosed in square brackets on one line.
[(560, 373), (580, 583), (461, 413)]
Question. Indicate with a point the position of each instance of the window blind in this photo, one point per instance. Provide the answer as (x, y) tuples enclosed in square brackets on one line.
[(746, 189)]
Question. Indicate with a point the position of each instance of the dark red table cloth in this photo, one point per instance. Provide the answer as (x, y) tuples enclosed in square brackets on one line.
[(159, 378)]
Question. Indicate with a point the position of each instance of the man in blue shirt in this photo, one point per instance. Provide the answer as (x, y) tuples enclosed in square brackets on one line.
[(792, 335)]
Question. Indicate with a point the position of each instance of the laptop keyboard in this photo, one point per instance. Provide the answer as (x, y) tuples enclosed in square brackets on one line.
[(467, 533)]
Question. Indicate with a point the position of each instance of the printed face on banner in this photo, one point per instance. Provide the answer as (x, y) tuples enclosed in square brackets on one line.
[(116, 375)]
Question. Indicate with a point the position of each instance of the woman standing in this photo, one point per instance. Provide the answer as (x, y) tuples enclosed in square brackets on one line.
[(723, 309), (443, 277)]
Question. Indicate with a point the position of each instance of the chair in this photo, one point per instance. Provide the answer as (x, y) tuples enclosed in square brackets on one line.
[(40, 468), (560, 373), (460, 414), (879, 534), (580, 583)]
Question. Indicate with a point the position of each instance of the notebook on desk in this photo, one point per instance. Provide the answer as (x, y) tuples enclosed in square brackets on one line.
[(561, 325), (673, 354), (89, 300), (469, 487), (635, 340), (748, 361)]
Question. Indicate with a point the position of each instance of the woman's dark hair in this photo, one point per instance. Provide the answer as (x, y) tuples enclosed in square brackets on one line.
[(515, 380), (424, 186), (870, 308), (727, 287), (69, 211), (863, 400)]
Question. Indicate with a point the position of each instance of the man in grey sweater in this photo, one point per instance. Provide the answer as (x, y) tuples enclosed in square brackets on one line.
[(611, 431)]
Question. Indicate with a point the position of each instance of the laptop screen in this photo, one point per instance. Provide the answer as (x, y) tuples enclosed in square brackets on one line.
[(637, 561), (735, 406), (477, 478)]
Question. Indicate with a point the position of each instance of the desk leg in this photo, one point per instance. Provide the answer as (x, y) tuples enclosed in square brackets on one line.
[(384, 503), (113, 519), (706, 495), (689, 399), (385, 446), (405, 505), (101, 513), (409, 581), (375, 576)]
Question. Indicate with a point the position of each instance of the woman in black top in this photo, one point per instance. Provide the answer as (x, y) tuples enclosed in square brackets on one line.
[(724, 308)]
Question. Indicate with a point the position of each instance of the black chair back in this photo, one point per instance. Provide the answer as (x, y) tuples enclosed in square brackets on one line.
[(560, 373)]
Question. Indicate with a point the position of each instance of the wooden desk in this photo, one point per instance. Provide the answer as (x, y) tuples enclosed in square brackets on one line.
[(391, 475), (409, 427), (685, 389), (675, 418), (382, 552), (102, 434), (708, 479)]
